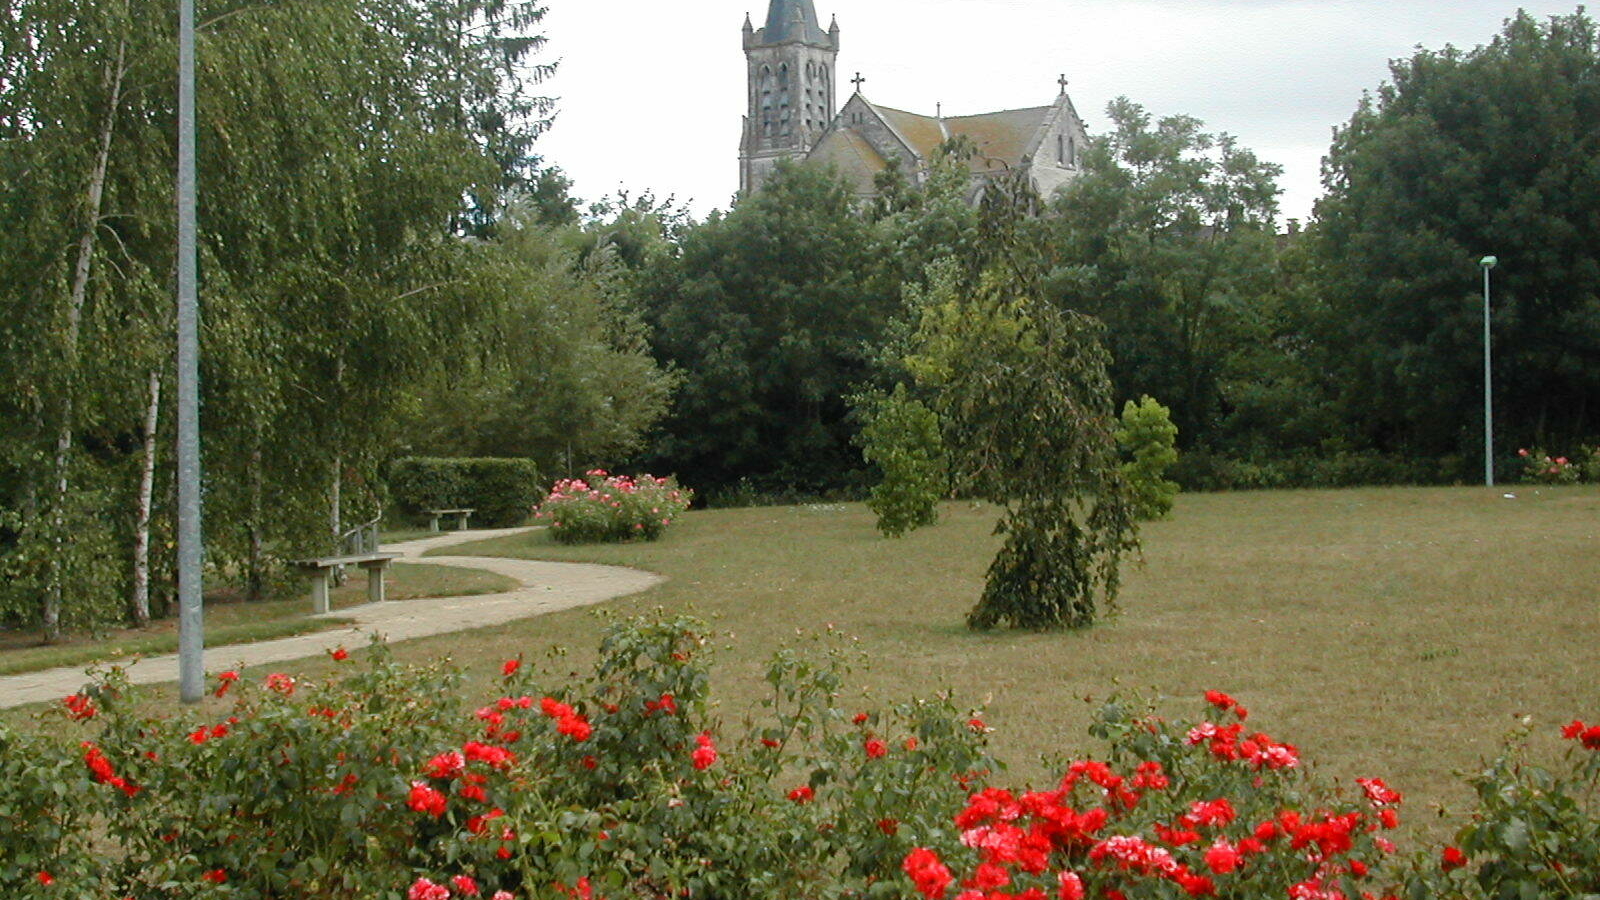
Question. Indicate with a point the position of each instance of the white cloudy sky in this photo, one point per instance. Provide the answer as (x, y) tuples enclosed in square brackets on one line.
[(651, 92)]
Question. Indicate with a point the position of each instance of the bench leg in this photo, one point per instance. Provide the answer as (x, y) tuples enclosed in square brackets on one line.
[(461, 523), (433, 523), (375, 584), (319, 592)]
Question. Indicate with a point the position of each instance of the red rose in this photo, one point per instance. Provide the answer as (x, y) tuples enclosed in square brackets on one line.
[(876, 748), (802, 794), (1452, 858)]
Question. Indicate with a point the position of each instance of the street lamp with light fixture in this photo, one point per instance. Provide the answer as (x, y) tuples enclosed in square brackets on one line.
[(1488, 262)]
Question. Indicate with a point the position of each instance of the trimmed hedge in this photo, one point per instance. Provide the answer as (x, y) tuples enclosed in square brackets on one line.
[(503, 491)]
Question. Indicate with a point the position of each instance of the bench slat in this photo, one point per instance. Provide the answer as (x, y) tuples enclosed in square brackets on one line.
[(331, 561)]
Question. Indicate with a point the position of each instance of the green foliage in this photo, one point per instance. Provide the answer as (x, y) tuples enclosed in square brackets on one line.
[(902, 437), (1535, 831), (1466, 153), (502, 491), (561, 372), (350, 145), (1167, 237), (1148, 435), (770, 313), (601, 507), (1021, 389)]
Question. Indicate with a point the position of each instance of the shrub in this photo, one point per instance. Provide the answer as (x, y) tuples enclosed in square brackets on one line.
[(502, 491), (1149, 437), (1539, 467), (902, 438), (604, 507)]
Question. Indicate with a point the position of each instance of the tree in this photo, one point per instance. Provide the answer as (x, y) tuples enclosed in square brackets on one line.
[(1149, 437), (1022, 390), (1167, 238), (1468, 153), (562, 373), (770, 313), (901, 436)]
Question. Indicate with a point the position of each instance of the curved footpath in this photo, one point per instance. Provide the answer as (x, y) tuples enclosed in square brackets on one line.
[(546, 587)]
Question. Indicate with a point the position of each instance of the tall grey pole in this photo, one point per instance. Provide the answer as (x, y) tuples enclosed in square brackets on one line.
[(191, 637), (1488, 262)]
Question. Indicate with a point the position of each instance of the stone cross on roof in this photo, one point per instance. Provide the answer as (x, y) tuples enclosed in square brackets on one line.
[(858, 81), (1063, 82)]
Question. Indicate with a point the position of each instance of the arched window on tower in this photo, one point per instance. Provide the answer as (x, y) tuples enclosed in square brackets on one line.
[(1061, 149), (1072, 153), (783, 78)]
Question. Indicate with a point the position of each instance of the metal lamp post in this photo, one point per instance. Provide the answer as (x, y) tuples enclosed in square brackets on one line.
[(191, 636), (1488, 262)]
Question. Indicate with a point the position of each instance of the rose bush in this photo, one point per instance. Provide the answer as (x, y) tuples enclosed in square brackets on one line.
[(1539, 467), (605, 507), (622, 783)]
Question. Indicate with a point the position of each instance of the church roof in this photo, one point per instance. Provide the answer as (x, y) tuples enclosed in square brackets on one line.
[(792, 20), (921, 132), (855, 159), (1003, 138)]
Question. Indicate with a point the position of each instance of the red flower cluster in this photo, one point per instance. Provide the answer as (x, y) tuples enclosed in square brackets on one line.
[(1054, 839), (667, 704), (1588, 735), (803, 794), (425, 799), (927, 872), (705, 751), (80, 707), (281, 683), (225, 681), (202, 734), (339, 653), (1228, 742), (100, 768), (875, 748), (568, 721), (1224, 702)]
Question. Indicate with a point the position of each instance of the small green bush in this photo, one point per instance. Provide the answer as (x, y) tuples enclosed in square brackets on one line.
[(502, 491), (902, 437), (1148, 435)]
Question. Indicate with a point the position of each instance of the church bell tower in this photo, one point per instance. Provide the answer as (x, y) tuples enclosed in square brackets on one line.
[(790, 77)]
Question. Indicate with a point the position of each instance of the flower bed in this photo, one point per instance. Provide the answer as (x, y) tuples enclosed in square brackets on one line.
[(604, 507), (622, 785)]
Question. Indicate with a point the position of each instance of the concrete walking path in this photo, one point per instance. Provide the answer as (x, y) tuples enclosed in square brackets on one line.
[(546, 587)]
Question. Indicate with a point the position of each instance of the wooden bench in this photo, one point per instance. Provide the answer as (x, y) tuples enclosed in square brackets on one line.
[(322, 569), (434, 515)]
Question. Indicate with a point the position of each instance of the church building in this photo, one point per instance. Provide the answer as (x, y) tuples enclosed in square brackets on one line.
[(792, 115)]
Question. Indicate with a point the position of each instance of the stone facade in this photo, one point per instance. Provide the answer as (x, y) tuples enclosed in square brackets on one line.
[(792, 84)]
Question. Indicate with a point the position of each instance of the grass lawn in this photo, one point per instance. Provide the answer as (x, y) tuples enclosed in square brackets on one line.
[(229, 621), (1392, 632)]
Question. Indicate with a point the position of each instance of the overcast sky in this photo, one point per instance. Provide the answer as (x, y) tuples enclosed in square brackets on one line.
[(650, 93)]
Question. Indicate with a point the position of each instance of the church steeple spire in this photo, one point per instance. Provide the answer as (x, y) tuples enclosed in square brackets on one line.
[(793, 20), (790, 78)]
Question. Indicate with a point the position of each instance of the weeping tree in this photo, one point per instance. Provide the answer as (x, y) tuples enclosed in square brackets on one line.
[(1021, 390)]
